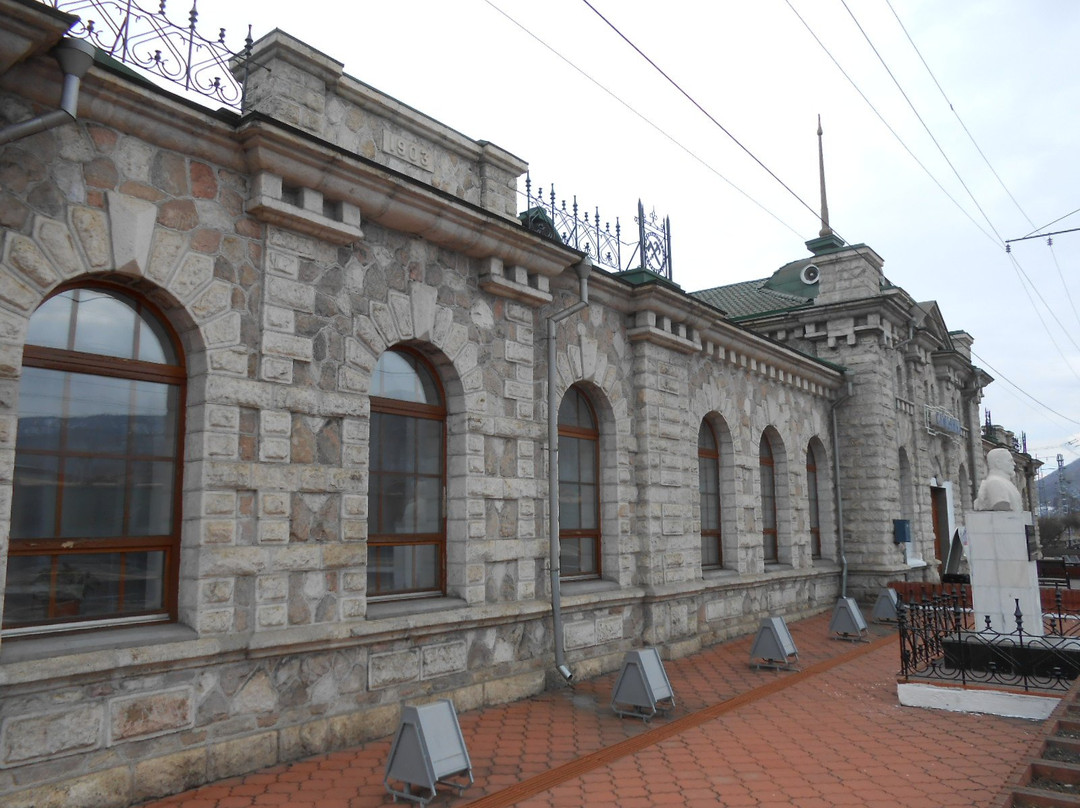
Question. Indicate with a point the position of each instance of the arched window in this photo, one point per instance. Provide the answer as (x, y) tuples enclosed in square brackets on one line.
[(712, 551), (407, 478), (579, 488), (768, 500), (812, 503), (95, 513)]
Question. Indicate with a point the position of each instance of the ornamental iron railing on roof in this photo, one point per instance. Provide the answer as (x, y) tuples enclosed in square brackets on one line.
[(576, 227), (149, 41)]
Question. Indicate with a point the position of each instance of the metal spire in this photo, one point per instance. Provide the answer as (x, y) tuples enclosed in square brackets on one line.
[(825, 229)]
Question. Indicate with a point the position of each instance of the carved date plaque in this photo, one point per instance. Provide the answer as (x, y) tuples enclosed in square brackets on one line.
[(408, 150)]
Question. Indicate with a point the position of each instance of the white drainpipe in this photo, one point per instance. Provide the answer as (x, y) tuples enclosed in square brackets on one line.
[(75, 57), (583, 268)]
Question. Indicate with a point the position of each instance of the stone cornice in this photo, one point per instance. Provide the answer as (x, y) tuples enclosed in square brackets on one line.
[(29, 28), (396, 202)]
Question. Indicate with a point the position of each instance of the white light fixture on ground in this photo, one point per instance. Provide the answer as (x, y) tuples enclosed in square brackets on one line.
[(427, 750), (774, 646), (885, 608), (848, 622), (642, 688)]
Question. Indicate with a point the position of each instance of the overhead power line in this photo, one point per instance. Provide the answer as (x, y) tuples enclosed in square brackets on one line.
[(957, 114), (887, 125), (1043, 235), (1048, 224), (700, 108), (907, 98), (645, 118), (999, 375)]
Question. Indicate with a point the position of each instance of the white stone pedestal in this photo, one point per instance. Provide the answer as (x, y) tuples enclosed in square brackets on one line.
[(1001, 572)]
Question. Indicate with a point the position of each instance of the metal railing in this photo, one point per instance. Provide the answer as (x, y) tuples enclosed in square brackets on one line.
[(580, 229), (939, 640), (152, 43)]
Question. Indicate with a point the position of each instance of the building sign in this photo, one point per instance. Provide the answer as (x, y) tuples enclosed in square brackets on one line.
[(940, 421)]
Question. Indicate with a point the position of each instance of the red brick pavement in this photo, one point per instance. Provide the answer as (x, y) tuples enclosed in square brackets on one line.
[(832, 735)]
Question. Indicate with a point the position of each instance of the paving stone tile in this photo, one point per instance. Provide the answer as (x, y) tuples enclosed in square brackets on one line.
[(834, 738)]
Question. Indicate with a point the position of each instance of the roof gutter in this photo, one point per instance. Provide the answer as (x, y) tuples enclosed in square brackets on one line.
[(75, 57)]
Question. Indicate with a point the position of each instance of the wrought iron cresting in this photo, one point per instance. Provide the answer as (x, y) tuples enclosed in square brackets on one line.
[(604, 245), (151, 42)]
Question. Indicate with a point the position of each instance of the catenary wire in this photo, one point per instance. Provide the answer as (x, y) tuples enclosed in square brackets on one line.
[(1048, 224), (859, 250), (999, 375), (1061, 275), (644, 118), (957, 114), (700, 108), (1021, 273), (887, 125), (920, 118)]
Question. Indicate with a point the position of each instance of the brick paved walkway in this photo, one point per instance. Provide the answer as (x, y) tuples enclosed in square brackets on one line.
[(832, 734)]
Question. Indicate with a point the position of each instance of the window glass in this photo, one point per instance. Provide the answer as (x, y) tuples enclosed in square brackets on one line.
[(400, 376), (812, 504), (97, 464), (407, 478), (768, 501), (579, 489), (709, 497)]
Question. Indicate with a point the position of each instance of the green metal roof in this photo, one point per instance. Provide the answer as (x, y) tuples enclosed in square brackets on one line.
[(749, 298)]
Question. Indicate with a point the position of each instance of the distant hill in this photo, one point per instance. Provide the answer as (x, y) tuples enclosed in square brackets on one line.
[(1048, 485)]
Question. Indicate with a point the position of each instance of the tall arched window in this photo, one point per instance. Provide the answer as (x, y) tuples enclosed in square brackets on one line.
[(768, 500), (712, 551), (812, 503), (95, 513), (579, 487), (407, 478)]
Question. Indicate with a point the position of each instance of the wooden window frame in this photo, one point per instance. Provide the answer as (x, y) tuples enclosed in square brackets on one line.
[(813, 502), (70, 361), (711, 536), (591, 436), (770, 536), (431, 412)]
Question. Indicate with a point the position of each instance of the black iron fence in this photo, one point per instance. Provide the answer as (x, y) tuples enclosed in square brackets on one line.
[(939, 640), (151, 42), (577, 227)]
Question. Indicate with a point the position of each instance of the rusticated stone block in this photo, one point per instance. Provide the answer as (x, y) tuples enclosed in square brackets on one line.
[(241, 756), (439, 660), (103, 789), (33, 737), (512, 688), (169, 774), (394, 668)]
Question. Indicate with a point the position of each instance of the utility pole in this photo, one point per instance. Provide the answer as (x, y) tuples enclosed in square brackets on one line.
[(1063, 499)]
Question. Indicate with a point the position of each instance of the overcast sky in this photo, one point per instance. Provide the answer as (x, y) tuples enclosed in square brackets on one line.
[(530, 77)]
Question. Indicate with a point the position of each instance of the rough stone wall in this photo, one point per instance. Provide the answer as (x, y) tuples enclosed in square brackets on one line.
[(278, 652)]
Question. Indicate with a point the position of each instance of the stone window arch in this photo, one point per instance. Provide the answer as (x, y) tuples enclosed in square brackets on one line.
[(96, 491), (407, 478)]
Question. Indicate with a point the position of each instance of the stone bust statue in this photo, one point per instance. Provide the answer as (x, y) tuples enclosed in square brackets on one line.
[(997, 492)]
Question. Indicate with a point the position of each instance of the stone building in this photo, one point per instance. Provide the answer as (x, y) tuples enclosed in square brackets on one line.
[(280, 396)]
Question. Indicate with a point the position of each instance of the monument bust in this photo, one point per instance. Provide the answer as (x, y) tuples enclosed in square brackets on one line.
[(997, 492)]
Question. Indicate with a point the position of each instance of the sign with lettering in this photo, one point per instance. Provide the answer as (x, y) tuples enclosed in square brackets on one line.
[(938, 420)]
